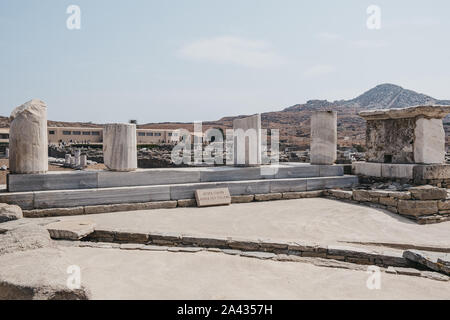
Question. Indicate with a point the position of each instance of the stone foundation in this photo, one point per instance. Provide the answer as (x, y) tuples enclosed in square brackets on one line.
[(423, 204), (417, 174)]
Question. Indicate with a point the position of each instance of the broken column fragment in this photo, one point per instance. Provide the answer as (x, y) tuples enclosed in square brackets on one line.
[(28, 140), (119, 147), (247, 141)]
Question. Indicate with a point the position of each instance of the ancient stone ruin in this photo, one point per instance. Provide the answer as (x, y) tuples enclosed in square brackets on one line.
[(407, 144), (323, 137), (28, 138)]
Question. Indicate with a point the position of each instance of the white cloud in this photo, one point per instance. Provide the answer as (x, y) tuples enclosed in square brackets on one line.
[(319, 70), (234, 50)]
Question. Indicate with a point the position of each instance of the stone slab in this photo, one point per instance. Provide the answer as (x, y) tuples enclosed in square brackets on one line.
[(70, 230), (52, 181), (138, 194), (288, 185), (437, 112), (91, 197), (346, 181), (25, 200), (107, 179), (399, 171), (430, 260), (212, 197), (68, 180), (369, 169)]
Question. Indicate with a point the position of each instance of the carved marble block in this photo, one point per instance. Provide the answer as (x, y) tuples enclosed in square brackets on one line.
[(119, 147), (28, 142), (324, 137)]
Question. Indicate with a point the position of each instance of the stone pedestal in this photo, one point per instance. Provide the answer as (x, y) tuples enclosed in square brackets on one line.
[(28, 140), (247, 141), (119, 147), (408, 135), (323, 137)]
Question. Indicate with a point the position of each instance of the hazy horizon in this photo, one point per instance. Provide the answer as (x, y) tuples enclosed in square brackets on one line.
[(183, 61)]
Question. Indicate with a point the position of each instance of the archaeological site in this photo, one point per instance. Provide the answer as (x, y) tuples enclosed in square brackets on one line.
[(116, 182)]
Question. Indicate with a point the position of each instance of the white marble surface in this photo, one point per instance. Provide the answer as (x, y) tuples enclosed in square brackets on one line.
[(119, 147), (28, 142), (247, 141), (323, 137), (429, 142)]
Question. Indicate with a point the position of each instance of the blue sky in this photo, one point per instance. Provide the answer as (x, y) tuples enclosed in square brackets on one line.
[(186, 60)]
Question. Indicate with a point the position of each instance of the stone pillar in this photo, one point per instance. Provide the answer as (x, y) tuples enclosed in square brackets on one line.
[(119, 147), (77, 155), (83, 161), (429, 141), (67, 159), (28, 140), (247, 141), (7, 153), (323, 137)]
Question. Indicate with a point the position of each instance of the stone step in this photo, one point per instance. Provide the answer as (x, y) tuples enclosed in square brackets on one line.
[(133, 240), (92, 179), (134, 194)]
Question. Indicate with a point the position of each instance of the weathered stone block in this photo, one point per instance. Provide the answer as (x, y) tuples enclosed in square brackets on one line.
[(54, 212), (391, 202), (341, 194), (428, 193), (400, 195), (28, 142), (429, 142), (187, 203), (363, 196), (268, 196), (417, 207), (70, 230), (444, 205), (302, 195), (369, 169), (119, 147), (243, 199), (323, 137), (10, 212), (247, 141), (397, 171)]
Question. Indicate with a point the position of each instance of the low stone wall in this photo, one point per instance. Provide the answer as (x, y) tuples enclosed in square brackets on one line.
[(424, 204), (183, 203), (133, 240)]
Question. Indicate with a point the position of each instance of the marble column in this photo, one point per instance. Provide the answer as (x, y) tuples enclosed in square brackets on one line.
[(77, 155), (119, 147), (28, 142), (83, 161), (323, 137), (247, 141), (67, 159)]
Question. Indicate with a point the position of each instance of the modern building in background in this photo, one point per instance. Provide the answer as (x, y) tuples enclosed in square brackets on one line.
[(86, 135)]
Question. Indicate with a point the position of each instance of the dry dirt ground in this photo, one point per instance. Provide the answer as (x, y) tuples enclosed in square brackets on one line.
[(3, 174)]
